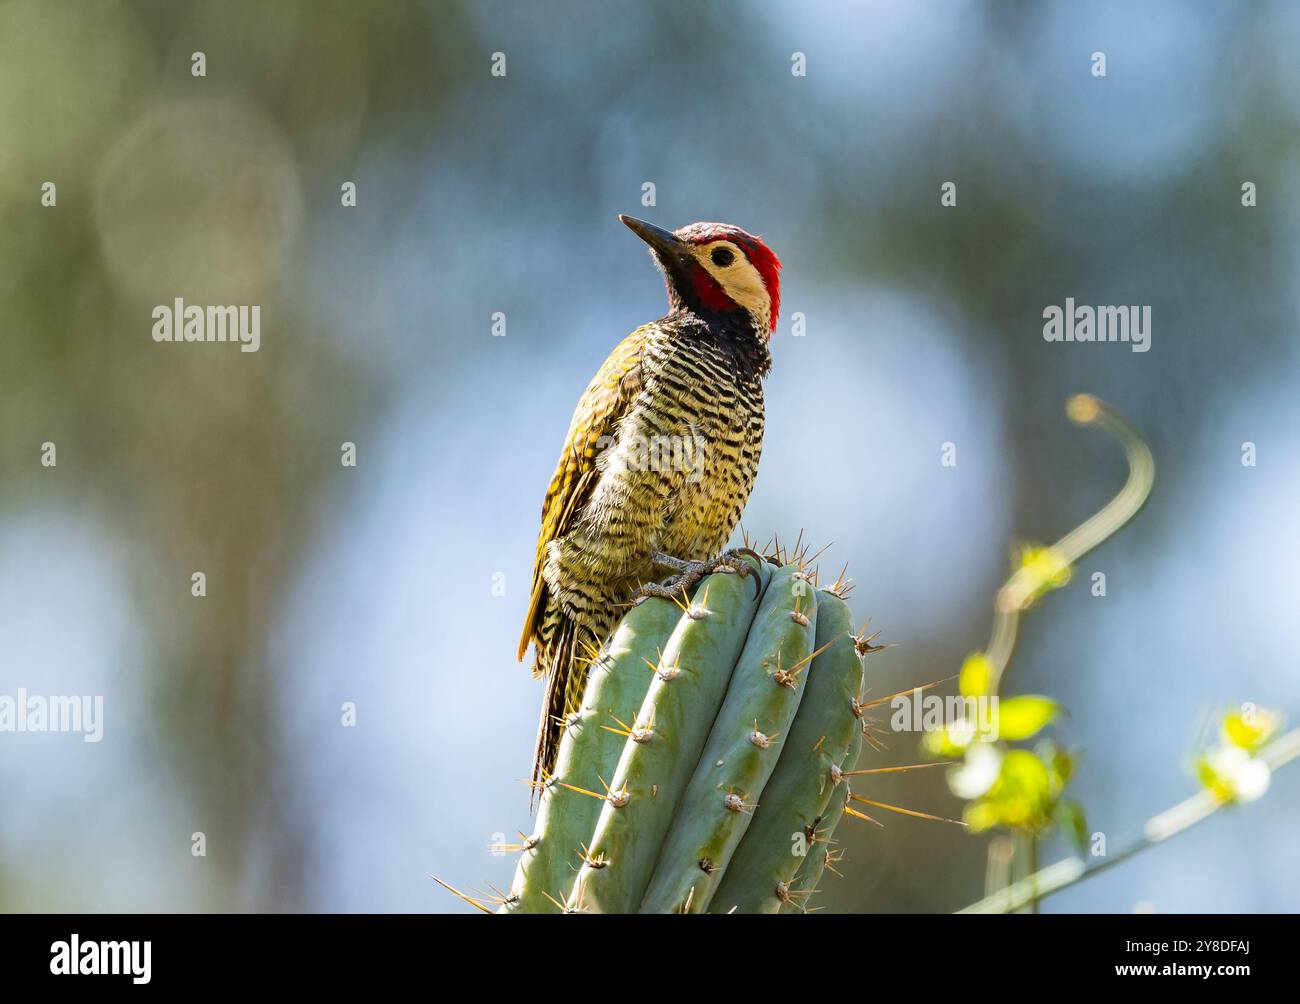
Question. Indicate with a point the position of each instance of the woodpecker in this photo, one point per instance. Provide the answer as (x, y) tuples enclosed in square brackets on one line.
[(659, 460)]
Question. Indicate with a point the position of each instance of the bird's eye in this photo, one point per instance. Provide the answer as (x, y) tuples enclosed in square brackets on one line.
[(722, 257)]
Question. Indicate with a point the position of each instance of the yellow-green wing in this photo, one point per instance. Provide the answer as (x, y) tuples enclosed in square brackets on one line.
[(606, 399)]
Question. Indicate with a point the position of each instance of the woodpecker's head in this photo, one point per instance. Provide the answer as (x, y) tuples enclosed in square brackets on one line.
[(716, 268)]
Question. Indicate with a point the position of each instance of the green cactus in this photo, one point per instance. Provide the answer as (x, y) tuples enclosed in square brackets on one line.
[(710, 740)]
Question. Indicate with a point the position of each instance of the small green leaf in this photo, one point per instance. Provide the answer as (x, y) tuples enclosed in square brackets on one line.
[(1039, 570), (1232, 775), (1020, 798), (1060, 764), (1025, 774), (976, 675), (1249, 730), (1022, 717), (950, 741), (1209, 778), (980, 816), (1071, 818)]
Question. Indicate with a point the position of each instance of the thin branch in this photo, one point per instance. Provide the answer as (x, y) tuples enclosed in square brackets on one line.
[(1158, 829)]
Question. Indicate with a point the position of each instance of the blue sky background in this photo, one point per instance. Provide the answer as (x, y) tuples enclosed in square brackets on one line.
[(479, 194)]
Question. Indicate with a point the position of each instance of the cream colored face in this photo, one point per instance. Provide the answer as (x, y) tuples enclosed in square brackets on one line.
[(738, 278)]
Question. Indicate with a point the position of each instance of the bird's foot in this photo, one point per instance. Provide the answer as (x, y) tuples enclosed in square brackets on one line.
[(690, 572)]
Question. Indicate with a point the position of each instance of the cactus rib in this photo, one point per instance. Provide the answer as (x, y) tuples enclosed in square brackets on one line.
[(566, 817), (798, 793), (742, 750), (814, 865)]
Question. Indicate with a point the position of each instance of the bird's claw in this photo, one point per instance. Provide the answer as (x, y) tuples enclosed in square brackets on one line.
[(690, 572)]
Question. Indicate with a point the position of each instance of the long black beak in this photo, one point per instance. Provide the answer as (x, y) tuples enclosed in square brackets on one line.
[(661, 240)]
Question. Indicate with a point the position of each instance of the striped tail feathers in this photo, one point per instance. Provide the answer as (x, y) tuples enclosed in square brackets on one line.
[(555, 649), (566, 648)]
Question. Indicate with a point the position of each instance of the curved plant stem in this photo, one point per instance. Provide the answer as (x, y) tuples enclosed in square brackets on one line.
[(1025, 585)]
